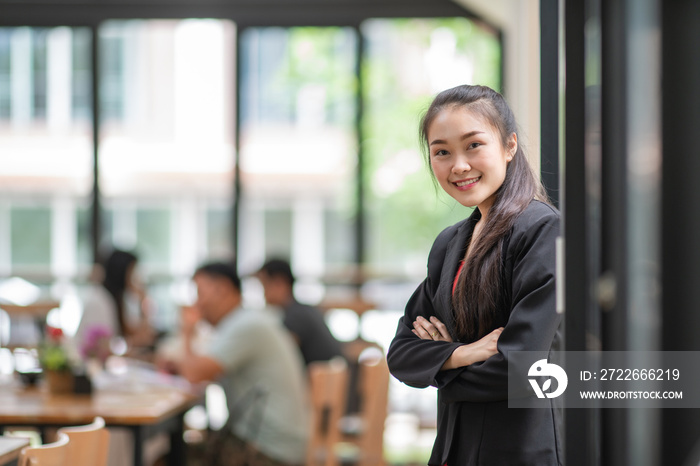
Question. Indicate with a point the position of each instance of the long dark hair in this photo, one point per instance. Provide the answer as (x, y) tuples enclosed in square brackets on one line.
[(479, 288), (116, 267)]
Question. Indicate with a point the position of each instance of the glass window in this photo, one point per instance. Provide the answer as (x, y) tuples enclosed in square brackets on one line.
[(45, 149), (5, 73), (218, 231), (298, 143), (407, 62), (167, 131), (166, 151), (31, 236), (278, 225), (153, 234)]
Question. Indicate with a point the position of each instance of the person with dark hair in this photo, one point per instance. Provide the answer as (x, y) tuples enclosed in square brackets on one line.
[(120, 305), (256, 362), (490, 288), (306, 323)]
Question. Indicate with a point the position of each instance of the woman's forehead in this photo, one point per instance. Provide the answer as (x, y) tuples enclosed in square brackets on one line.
[(461, 119)]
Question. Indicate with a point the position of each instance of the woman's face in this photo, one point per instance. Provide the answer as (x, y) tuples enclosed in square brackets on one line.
[(467, 156)]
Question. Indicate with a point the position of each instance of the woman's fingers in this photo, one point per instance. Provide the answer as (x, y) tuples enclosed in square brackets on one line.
[(422, 330), (441, 328), (431, 329)]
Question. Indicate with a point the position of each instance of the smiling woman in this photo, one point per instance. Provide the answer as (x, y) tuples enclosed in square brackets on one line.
[(490, 288)]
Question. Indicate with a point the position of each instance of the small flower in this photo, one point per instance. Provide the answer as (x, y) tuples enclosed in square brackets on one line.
[(54, 333), (96, 343)]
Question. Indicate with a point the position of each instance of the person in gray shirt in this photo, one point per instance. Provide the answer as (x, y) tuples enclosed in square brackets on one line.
[(255, 360), (305, 322)]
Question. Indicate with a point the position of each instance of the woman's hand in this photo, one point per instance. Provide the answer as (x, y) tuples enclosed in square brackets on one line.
[(431, 329), (464, 355), (478, 351)]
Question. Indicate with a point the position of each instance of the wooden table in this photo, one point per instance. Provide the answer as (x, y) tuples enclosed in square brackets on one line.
[(144, 413), (36, 310), (10, 447)]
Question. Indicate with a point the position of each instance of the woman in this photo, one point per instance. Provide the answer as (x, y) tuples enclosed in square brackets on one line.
[(119, 305), (489, 290)]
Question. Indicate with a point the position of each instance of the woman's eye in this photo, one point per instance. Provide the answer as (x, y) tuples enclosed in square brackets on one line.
[(474, 145), (440, 152)]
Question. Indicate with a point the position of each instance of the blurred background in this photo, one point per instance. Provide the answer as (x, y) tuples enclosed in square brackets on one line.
[(191, 139), (198, 154), (240, 129)]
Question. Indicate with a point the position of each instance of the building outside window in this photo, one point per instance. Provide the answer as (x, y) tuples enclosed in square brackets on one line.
[(167, 143)]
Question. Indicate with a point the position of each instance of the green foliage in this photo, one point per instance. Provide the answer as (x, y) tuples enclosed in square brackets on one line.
[(406, 218), (54, 358), (319, 56)]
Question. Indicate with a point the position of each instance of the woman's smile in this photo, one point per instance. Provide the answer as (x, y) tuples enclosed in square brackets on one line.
[(465, 184)]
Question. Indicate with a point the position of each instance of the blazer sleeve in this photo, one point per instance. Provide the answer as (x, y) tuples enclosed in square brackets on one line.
[(533, 322), (412, 360)]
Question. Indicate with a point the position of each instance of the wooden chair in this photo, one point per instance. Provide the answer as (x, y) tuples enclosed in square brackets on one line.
[(328, 382), (89, 445), (49, 454), (365, 430)]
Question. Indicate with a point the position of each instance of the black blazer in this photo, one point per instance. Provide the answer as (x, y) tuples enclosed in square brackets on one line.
[(475, 425)]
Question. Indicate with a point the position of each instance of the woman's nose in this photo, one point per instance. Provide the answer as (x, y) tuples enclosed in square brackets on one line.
[(461, 165)]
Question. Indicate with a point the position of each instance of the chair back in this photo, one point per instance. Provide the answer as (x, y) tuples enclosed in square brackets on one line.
[(374, 396), (89, 445), (49, 454), (328, 382)]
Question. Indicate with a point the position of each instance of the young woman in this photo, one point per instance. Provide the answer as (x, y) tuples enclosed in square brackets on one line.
[(490, 288), (117, 304)]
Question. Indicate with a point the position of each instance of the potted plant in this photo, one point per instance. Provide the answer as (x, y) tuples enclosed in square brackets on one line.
[(55, 361)]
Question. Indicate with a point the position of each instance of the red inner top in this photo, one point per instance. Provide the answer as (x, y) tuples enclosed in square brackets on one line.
[(459, 270)]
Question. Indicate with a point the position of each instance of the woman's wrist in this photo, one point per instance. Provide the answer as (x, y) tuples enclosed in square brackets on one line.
[(466, 355), (456, 359), (462, 356)]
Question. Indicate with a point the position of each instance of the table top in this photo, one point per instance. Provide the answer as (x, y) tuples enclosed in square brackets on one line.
[(144, 406), (39, 309), (10, 448)]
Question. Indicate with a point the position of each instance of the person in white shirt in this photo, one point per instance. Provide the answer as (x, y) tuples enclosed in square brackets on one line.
[(116, 303)]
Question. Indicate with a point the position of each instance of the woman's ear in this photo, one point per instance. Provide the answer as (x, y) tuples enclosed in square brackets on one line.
[(512, 147)]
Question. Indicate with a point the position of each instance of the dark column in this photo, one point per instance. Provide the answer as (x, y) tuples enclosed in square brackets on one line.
[(580, 428), (680, 200), (549, 97), (614, 106), (95, 207)]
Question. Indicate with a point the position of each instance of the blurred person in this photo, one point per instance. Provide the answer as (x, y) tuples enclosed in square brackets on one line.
[(306, 323), (490, 289), (117, 302), (256, 362)]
